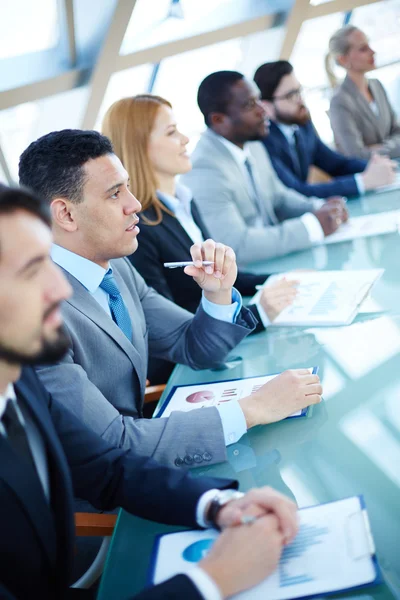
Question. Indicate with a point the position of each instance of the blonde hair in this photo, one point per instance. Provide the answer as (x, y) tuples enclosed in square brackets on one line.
[(128, 123), (339, 45)]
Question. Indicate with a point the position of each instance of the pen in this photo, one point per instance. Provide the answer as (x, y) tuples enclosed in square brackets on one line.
[(190, 263)]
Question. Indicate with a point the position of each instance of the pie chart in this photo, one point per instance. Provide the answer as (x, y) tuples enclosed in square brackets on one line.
[(197, 550), (201, 396)]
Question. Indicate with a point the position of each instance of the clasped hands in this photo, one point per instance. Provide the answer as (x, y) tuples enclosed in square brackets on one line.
[(245, 554)]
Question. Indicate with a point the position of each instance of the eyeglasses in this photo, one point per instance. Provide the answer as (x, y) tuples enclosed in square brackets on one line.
[(292, 96)]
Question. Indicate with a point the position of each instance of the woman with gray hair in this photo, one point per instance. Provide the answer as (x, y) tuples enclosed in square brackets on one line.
[(362, 119)]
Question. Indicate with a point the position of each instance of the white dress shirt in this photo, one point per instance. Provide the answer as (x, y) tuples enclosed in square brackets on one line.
[(90, 275), (310, 221), (180, 205), (289, 131)]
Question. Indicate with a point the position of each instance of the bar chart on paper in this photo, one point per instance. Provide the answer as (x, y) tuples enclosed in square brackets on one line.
[(325, 298), (333, 551), (204, 395), (291, 567)]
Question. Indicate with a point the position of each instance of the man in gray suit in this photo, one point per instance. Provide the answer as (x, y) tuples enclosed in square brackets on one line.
[(240, 197), (113, 317)]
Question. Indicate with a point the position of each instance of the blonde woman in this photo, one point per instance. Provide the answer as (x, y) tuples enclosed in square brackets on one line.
[(362, 119), (146, 138)]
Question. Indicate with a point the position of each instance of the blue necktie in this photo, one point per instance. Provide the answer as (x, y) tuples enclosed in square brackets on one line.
[(117, 306), (259, 204)]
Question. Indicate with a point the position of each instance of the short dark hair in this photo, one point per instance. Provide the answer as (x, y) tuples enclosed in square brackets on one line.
[(14, 198), (269, 75), (52, 166), (215, 92)]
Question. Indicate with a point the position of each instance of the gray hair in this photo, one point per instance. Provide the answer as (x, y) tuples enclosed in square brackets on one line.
[(338, 46)]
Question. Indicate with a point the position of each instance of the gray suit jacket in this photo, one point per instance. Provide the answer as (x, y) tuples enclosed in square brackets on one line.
[(355, 126), (103, 376), (220, 187)]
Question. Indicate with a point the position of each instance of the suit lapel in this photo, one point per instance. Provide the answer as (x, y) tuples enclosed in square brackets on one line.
[(280, 138), (84, 302), (137, 350), (27, 488), (26, 484), (362, 104), (61, 494), (302, 154), (199, 221), (177, 231), (238, 171)]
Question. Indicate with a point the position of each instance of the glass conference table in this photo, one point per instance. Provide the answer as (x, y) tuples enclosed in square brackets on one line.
[(348, 445)]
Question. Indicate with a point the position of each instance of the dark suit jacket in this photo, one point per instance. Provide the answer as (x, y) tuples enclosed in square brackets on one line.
[(169, 242), (312, 151), (37, 538)]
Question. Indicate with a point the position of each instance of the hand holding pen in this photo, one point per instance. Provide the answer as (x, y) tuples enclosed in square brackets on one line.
[(214, 269)]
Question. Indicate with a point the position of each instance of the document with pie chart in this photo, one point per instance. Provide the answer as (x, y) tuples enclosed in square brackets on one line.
[(332, 552), (215, 393)]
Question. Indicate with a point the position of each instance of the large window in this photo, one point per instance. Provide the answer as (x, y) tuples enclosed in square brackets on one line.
[(27, 26), (180, 76), (20, 125), (122, 84), (381, 22)]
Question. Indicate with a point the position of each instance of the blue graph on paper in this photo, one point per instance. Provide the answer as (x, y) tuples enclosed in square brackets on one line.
[(308, 536), (198, 550)]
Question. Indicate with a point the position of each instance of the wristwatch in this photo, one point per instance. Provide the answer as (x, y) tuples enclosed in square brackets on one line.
[(221, 498)]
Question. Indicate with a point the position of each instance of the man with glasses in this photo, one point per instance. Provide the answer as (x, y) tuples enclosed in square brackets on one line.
[(241, 200), (294, 145)]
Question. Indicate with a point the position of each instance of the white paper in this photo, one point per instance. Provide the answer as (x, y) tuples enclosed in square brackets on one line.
[(191, 397), (365, 226), (325, 297), (331, 552), (388, 188)]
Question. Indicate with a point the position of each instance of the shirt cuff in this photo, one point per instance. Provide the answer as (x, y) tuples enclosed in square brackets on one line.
[(318, 203), (313, 226), (263, 315), (224, 312), (204, 584), (233, 421), (360, 183), (202, 505)]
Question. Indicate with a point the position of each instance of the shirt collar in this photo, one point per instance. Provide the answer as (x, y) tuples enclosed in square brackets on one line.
[(183, 197), (238, 154), (287, 130), (4, 398), (84, 270)]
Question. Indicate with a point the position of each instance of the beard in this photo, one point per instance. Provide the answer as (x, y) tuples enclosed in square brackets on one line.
[(50, 352), (300, 118)]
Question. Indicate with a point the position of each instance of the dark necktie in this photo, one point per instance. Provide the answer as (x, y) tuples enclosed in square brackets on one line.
[(294, 151), (117, 306), (16, 434), (255, 193)]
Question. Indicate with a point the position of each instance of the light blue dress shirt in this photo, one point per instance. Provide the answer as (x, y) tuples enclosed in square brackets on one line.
[(90, 275)]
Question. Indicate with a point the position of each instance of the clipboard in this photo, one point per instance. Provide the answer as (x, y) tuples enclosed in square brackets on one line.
[(357, 525), (206, 387)]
